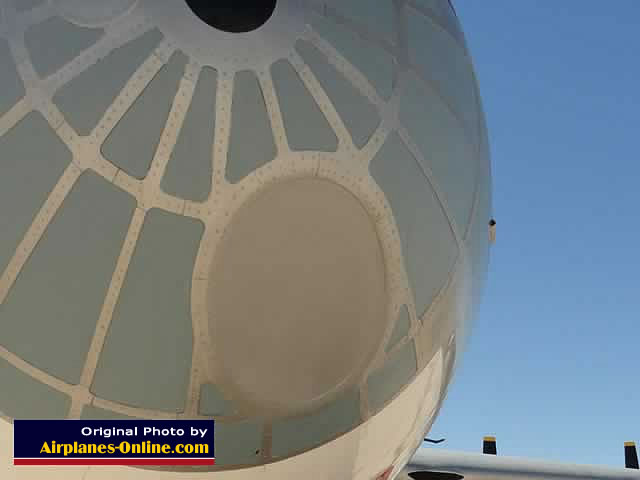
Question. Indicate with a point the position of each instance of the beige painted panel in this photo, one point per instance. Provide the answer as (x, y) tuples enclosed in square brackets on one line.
[(297, 286)]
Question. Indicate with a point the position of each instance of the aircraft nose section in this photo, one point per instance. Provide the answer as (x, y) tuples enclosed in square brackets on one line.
[(297, 300)]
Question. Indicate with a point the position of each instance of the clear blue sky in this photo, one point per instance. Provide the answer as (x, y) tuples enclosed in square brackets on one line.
[(552, 367)]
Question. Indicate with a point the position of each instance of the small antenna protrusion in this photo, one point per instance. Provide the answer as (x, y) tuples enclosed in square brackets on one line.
[(492, 231), (630, 455), (440, 440), (489, 446)]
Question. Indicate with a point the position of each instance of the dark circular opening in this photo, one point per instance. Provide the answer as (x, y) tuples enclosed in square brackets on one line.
[(234, 16)]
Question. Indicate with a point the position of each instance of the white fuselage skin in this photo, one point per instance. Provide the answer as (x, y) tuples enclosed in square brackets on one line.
[(388, 439), (385, 441)]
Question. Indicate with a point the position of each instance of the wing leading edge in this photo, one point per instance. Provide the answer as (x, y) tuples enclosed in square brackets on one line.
[(430, 464)]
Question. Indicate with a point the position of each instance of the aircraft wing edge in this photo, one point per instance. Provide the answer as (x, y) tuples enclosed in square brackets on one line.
[(481, 466)]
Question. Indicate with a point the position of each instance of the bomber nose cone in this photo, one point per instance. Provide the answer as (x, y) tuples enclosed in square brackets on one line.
[(272, 213)]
